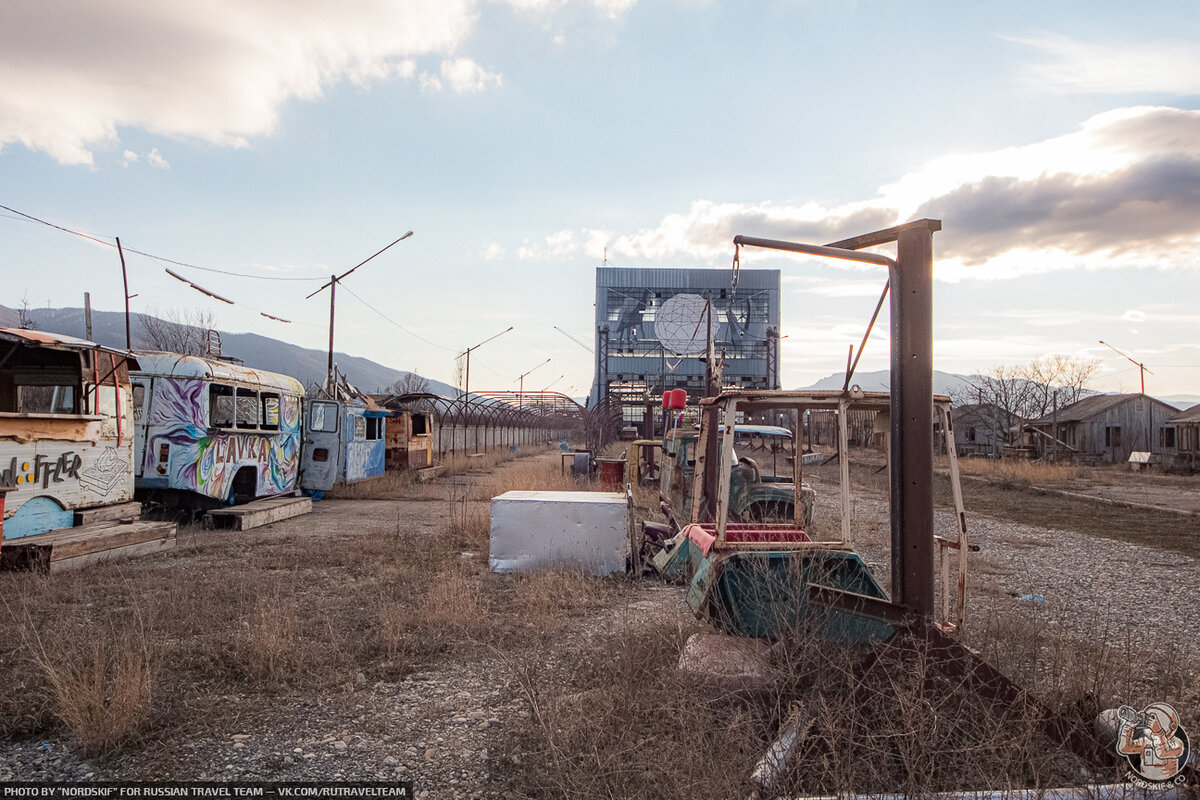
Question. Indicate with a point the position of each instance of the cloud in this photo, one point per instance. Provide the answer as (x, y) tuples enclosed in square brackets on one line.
[(1120, 191), (218, 71), (493, 252), (155, 159), (1168, 66), (557, 245), (463, 75), (128, 157)]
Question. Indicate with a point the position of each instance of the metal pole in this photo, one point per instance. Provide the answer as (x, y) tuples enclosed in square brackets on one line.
[(912, 418), (125, 281), (1054, 441), (87, 314), (332, 291)]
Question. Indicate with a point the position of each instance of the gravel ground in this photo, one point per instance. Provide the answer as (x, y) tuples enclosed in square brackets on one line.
[(443, 727)]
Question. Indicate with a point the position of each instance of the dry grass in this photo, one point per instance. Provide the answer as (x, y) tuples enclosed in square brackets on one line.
[(1018, 472)]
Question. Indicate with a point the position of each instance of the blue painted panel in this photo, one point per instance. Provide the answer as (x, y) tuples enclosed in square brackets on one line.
[(38, 515)]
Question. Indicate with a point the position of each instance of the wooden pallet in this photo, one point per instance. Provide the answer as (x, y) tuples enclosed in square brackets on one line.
[(258, 513), (88, 544)]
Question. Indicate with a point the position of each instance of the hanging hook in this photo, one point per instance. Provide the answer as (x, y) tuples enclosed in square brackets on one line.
[(737, 266)]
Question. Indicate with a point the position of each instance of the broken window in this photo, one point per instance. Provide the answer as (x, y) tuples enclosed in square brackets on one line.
[(220, 406), (249, 412), (45, 399), (322, 417), (139, 401), (1166, 437)]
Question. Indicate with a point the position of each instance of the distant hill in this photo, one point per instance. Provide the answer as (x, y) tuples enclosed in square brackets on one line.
[(261, 352), (879, 381)]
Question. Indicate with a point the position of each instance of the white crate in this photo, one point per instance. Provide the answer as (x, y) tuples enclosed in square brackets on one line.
[(549, 530)]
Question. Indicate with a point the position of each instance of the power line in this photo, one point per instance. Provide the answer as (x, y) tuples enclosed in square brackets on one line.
[(163, 259), (397, 324)]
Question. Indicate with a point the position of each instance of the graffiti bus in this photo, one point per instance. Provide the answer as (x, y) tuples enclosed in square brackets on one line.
[(214, 429), (66, 432)]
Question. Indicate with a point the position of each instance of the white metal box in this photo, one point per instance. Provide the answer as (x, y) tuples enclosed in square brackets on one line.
[(548, 530)]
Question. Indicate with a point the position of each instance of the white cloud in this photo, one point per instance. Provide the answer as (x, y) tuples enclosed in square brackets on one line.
[(463, 75), (155, 159), (1121, 191), (128, 157), (614, 9), (430, 82), (557, 245), (218, 71), (493, 252), (1170, 66)]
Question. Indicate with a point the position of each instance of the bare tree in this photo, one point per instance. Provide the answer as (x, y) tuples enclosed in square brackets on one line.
[(411, 383), (25, 316), (1027, 391), (189, 332)]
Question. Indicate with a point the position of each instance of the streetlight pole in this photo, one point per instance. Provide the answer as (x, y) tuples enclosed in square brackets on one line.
[(467, 384), (521, 389), (332, 286), (1139, 364)]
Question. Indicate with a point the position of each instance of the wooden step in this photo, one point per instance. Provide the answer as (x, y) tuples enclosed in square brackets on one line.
[(258, 513), (88, 544), (117, 511)]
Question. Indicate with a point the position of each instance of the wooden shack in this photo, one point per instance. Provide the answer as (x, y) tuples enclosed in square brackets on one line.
[(410, 430), (1180, 440), (1103, 427), (67, 416), (983, 429)]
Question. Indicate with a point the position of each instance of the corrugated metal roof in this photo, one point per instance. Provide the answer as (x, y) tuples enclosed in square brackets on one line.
[(1188, 415), (58, 341), (1091, 406)]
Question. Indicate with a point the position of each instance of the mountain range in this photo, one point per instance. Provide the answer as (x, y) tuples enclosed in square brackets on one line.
[(309, 366)]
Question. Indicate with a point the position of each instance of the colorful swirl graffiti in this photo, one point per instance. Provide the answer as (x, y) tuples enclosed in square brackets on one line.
[(205, 461)]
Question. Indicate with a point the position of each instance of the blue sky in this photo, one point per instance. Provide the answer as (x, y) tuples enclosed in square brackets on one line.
[(1059, 143)]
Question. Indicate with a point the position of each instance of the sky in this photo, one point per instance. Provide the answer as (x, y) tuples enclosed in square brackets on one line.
[(526, 141)]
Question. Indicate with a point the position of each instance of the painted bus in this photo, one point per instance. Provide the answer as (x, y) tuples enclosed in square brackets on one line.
[(214, 429), (344, 442), (66, 430)]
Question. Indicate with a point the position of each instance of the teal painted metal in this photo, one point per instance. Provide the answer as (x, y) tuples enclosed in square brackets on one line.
[(764, 593), (38, 515)]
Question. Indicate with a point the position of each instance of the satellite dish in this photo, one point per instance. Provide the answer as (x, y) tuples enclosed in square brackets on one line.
[(679, 325)]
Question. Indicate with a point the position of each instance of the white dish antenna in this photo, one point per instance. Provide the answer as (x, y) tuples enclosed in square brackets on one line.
[(683, 324)]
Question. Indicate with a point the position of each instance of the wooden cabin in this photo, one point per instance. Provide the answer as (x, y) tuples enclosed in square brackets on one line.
[(983, 429), (1179, 440), (1103, 427)]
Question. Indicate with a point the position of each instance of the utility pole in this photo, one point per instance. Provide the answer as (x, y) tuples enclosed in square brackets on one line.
[(521, 389), (87, 315), (467, 384), (1139, 364), (125, 281), (332, 286)]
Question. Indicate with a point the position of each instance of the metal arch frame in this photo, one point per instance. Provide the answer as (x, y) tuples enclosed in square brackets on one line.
[(911, 457)]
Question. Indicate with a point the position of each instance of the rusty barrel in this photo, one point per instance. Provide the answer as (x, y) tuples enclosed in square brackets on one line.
[(612, 472)]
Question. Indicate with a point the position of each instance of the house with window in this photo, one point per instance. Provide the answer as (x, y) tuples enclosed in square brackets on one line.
[(1180, 440), (1103, 427), (983, 429)]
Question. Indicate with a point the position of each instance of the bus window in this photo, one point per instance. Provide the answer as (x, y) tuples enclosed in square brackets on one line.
[(249, 412), (322, 417), (270, 408), (220, 406), (139, 401), (291, 410), (45, 399)]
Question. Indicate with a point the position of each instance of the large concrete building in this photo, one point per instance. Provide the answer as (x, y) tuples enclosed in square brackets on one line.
[(652, 325)]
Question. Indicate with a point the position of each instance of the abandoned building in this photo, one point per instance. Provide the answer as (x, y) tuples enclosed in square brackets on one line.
[(1179, 441), (1103, 427), (652, 326), (984, 429)]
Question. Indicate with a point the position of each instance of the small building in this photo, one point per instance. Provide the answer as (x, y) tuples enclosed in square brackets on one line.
[(983, 429), (1103, 427), (1180, 440), (409, 430)]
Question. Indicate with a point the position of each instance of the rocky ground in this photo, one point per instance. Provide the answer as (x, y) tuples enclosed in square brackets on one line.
[(445, 725)]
